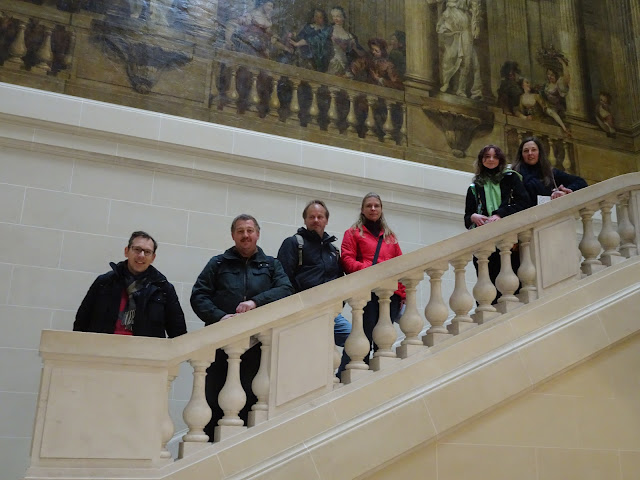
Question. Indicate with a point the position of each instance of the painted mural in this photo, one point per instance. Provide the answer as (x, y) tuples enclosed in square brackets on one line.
[(428, 81)]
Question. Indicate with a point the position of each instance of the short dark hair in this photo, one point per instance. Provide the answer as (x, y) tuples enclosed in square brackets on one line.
[(314, 202), (140, 233), (245, 217)]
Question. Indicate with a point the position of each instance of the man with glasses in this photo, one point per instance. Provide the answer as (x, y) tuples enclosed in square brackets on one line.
[(134, 298)]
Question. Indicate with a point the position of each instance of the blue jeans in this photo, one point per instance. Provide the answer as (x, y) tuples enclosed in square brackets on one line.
[(341, 330)]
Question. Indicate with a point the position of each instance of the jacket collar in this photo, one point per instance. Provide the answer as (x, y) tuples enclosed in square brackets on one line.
[(152, 272), (232, 254), (313, 236)]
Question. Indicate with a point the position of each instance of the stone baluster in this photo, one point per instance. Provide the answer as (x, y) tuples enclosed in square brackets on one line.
[(552, 153), (411, 323), (484, 291), (352, 120), (589, 245), (233, 87), (608, 238), (44, 53), (370, 122), (461, 301), (626, 229), (295, 105), (260, 385), (274, 101), (507, 281), (566, 161), (167, 426), (68, 56), (313, 109), (232, 397), (527, 271), (337, 357), (357, 344), (18, 47), (333, 109), (388, 123), (197, 413), (384, 333), (520, 134), (254, 97), (436, 311)]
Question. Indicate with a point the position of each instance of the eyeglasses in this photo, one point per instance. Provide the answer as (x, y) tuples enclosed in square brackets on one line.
[(139, 250)]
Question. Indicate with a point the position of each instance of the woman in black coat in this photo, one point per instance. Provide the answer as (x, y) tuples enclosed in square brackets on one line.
[(495, 193), (539, 178)]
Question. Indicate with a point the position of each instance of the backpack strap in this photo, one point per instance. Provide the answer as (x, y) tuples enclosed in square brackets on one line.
[(300, 245)]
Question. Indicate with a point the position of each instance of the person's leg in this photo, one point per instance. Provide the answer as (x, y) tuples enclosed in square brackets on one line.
[(341, 330), (214, 381), (369, 320), (248, 369)]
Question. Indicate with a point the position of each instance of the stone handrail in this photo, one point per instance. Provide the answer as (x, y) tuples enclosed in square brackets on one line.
[(103, 398)]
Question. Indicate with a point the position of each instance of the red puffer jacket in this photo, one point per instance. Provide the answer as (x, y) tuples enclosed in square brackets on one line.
[(358, 252)]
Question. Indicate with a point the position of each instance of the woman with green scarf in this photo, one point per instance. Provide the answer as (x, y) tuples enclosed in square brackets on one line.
[(496, 192)]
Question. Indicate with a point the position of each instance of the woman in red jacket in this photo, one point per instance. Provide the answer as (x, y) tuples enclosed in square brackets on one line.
[(367, 242)]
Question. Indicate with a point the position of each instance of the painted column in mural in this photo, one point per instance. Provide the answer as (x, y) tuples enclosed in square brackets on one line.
[(625, 36), (518, 34), (569, 38), (422, 45)]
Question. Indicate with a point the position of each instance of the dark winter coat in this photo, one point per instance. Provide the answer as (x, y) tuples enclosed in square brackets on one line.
[(533, 182), (320, 259), (157, 306), (513, 195), (230, 279)]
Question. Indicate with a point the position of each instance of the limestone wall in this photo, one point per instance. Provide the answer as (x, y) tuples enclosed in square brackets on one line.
[(78, 176)]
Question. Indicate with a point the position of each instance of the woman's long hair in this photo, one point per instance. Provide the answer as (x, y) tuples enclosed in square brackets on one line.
[(389, 236), (483, 174), (542, 169)]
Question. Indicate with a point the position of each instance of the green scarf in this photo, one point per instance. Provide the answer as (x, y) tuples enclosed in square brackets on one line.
[(492, 192)]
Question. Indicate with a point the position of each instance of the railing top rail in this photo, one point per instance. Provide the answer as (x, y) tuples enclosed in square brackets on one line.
[(324, 298), (303, 74)]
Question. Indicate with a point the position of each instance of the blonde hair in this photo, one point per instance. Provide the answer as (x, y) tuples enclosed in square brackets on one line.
[(389, 235)]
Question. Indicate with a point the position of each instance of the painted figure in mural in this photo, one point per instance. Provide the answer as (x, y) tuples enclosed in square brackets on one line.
[(251, 33), (313, 42), (345, 45), (604, 117), (458, 27), (532, 105), (509, 91), (398, 52), (376, 67), (554, 92)]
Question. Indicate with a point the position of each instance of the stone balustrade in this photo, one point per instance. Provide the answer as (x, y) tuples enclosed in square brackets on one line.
[(248, 85), (84, 370), (39, 45)]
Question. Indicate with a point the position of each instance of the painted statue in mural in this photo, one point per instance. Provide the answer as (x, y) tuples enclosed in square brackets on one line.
[(398, 51), (604, 117), (458, 27), (345, 45), (376, 67), (251, 33), (510, 89), (313, 42)]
